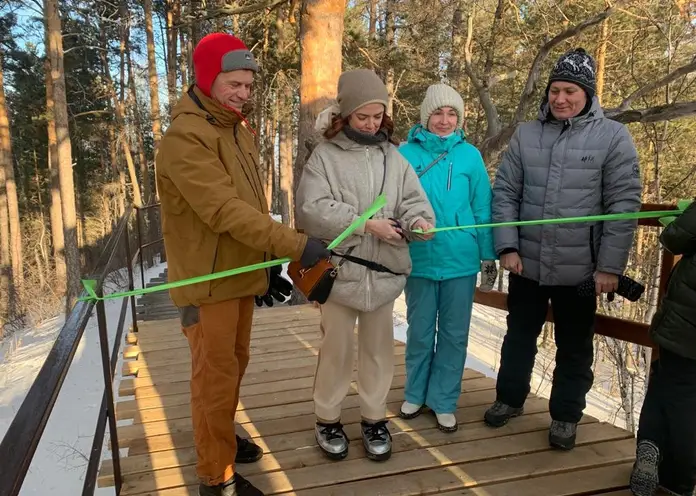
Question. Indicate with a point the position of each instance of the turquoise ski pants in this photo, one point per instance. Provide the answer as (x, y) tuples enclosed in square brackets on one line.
[(434, 369)]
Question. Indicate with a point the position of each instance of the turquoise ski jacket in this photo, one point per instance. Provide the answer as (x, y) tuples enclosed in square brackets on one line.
[(459, 190)]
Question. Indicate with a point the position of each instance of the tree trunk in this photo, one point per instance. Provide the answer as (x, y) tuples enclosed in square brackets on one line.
[(269, 159), (171, 54), (390, 38), (602, 57), (321, 40), (285, 159), (152, 76), (284, 105), (142, 157), (64, 152), (372, 26), (118, 110), (55, 213), (17, 262), (6, 289), (454, 68), (183, 44)]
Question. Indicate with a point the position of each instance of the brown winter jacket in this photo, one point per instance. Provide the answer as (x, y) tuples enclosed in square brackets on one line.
[(214, 211)]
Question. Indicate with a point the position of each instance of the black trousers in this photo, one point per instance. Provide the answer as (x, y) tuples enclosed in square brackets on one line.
[(668, 419), (574, 318)]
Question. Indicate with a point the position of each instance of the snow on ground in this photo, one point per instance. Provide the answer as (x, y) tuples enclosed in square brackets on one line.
[(60, 461)]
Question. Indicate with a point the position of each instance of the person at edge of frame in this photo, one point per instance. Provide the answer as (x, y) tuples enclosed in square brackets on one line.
[(666, 450), (215, 218), (440, 289), (570, 161)]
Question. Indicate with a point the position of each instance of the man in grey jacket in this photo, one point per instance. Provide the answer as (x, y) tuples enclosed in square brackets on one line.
[(571, 161)]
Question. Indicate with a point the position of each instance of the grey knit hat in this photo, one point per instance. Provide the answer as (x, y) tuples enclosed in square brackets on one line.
[(358, 88), (438, 96), (577, 67)]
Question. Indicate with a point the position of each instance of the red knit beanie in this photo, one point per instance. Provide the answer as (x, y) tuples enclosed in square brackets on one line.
[(220, 52)]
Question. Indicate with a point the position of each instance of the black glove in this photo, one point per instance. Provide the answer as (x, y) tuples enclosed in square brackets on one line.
[(314, 251), (279, 288), (628, 288)]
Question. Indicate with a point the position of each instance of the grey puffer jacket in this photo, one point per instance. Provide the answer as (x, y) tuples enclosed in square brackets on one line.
[(587, 165), (340, 181)]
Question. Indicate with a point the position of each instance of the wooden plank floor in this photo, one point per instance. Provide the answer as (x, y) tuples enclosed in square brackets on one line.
[(276, 411)]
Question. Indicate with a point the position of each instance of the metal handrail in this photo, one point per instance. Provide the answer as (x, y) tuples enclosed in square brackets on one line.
[(19, 444)]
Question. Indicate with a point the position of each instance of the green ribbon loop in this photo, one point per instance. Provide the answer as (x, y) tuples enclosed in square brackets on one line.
[(90, 285)]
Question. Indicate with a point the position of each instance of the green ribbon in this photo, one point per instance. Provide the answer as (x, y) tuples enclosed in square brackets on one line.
[(90, 284), (379, 203), (564, 220)]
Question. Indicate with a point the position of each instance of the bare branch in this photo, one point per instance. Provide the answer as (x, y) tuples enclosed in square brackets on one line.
[(653, 114), (499, 78), (230, 11), (481, 87), (650, 87), (91, 112)]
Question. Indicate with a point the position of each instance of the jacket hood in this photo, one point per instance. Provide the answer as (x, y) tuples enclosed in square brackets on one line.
[(594, 113), (212, 111), (434, 143)]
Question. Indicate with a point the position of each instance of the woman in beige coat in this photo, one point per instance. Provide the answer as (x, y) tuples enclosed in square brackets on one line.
[(346, 172)]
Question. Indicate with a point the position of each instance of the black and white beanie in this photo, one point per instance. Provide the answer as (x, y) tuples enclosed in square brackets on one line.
[(578, 67)]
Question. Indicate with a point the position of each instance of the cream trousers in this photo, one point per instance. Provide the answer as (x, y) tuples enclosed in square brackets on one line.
[(336, 358)]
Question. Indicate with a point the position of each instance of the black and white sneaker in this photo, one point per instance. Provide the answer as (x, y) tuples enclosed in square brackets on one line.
[(499, 414), (332, 440), (377, 440), (645, 477)]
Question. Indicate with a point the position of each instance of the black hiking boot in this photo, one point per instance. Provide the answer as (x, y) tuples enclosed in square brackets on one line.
[(499, 414), (236, 486), (562, 435), (645, 475), (247, 452)]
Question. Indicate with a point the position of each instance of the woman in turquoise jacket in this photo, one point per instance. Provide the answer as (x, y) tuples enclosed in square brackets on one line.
[(440, 290)]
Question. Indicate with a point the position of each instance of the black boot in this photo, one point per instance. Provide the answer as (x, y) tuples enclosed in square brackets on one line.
[(562, 435), (499, 414), (247, 452), (236, 486)]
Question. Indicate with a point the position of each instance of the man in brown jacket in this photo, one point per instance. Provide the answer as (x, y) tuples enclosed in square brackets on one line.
[(215, 218)]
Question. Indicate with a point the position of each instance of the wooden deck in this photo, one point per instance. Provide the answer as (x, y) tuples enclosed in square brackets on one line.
[(276, 411)]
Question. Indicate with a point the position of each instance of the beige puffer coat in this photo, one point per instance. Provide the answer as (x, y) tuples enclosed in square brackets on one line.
[(340, 181)]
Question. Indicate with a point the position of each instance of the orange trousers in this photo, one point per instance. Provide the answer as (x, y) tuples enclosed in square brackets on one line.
[(218, 335)]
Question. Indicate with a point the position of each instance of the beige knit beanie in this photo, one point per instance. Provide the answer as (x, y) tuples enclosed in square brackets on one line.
[(358, 88), (438, 96)]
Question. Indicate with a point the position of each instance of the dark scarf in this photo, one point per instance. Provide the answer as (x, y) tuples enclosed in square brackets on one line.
[(365, 138)]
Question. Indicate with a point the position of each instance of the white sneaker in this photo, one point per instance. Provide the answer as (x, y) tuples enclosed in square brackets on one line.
[(410, 410), (446, 422)]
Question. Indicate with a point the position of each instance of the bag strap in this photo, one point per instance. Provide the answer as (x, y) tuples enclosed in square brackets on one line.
[(432, 164), (377, 267)]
